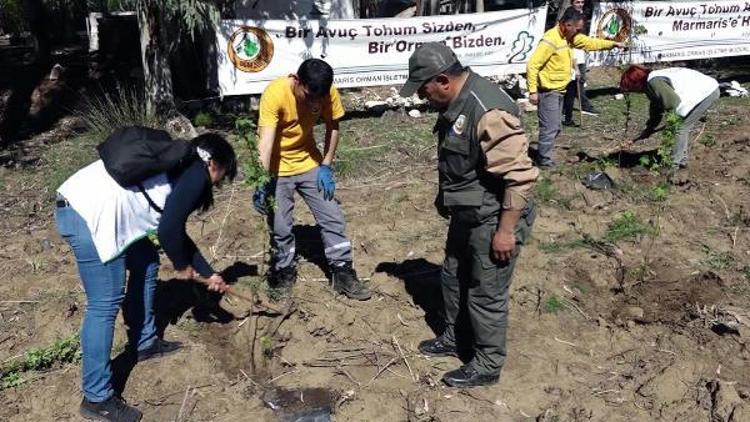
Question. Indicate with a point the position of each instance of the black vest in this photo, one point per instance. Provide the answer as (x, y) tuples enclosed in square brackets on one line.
[(467, 190)]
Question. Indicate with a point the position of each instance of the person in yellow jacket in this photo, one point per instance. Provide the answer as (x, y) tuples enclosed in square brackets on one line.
[(549, 71)]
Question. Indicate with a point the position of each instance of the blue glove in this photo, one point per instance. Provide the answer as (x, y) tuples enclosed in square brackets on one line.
[(260, 197), (326, 182)]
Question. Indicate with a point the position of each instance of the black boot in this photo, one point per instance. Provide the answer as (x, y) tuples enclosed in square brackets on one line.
[(281, 281), (467, 376), (114, 409), (437, 347), (345, 281)]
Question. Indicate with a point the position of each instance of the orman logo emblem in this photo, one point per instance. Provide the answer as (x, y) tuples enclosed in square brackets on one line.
[(250, 49), (615, 25)]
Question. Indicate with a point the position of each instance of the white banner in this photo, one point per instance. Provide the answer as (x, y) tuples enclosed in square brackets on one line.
[(663, 31), (367, 52)]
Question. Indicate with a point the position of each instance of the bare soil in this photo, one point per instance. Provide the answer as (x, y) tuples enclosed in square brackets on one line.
[(625, 331)]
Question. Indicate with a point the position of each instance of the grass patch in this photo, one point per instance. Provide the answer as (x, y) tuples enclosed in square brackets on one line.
[(708, 140), (62, 351), (660, 192), (647, 193), (546, 192), (385, 146), (554, 304), (125, 107), (203, 118), (561, 246), (746, 272), (627, 226), (67, 157), (717, 260)]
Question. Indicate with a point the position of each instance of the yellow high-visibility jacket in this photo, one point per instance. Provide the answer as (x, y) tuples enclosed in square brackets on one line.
[(551, 65)]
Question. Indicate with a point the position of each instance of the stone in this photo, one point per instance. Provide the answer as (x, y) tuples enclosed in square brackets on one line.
[(415, 113), (634, 312)]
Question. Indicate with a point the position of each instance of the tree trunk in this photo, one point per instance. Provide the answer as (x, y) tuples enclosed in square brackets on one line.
[(155, 49)]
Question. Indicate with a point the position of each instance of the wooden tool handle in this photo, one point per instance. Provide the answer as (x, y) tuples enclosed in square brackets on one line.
[(231, 292)]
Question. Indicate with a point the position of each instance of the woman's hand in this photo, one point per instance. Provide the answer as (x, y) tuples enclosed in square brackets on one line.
[(187, 273), (216, 283)]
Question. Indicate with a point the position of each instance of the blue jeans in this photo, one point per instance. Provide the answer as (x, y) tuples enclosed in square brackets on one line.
[(104, 284)]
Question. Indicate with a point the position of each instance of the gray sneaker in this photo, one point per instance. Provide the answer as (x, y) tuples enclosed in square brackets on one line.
[(344, 280), (114, 409)]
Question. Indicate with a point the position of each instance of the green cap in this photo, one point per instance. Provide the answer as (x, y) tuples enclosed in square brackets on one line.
[(427, 61)]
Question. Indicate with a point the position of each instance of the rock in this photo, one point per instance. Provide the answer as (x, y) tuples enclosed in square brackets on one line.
[(180, 127), (724, 402), (619, 96), (373, 104), (634, 312), (614, 173), (415, 113)]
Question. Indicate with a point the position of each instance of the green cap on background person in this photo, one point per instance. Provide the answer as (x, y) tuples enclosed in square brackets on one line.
[(427, 61)]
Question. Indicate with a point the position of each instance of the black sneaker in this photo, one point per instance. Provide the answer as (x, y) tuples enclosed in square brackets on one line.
[(160, 348), (113, 409), (569, 123), (344, 280), (281, 281), (467, 376), (437, 347)]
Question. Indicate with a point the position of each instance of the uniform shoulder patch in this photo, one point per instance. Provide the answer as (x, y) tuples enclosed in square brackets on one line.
[(459, 124)]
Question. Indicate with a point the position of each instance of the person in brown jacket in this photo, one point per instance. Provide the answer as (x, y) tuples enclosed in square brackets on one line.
[(486, 179)]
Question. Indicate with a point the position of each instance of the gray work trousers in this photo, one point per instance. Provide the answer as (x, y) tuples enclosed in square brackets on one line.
[(549, 111), (474, 281), (327, 214), (680, 149)]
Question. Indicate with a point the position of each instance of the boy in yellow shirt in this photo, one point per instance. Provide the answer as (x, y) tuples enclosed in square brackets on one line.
[(289, 109)]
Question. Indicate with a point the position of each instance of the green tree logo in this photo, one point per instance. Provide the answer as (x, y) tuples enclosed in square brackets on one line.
[(521, 47), (249, 46)]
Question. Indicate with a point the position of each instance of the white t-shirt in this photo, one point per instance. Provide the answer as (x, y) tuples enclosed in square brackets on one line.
[(115, 216), (690, 85)]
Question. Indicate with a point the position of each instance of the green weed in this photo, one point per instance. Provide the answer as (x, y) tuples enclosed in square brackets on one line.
[(125, 107), (663, 158), (717, 260), (66, 350), (554, 304), (708, 140), (203, 118), (672, 123), (660, 192), (627, 226), (546, 192), (255, 174)]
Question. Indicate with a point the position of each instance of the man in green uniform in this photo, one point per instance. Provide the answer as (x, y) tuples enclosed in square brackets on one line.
[(486, 179)]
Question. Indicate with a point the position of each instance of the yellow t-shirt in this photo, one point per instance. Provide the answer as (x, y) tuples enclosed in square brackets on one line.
[(295, 151)]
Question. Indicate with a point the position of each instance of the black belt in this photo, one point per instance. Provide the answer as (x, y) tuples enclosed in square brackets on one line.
[(61, 202)]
